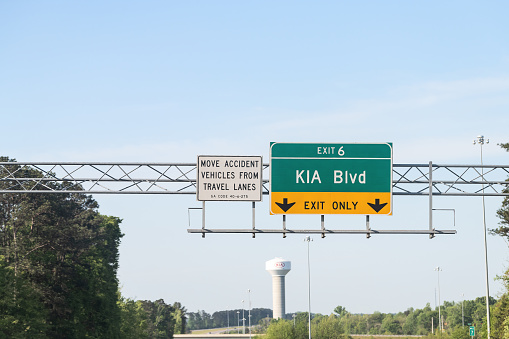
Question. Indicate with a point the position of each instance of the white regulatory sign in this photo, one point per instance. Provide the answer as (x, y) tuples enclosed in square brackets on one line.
[(229, 178)]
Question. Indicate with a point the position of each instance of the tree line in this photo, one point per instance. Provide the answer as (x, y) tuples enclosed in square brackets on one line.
[(423, 321), (58, 269), (456, 319), (203, 320), (146, 319)]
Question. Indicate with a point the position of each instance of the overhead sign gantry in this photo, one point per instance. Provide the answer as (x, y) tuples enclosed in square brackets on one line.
[(425, 179)]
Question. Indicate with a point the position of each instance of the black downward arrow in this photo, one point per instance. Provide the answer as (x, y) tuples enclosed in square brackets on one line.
[(377, 206), (285, 206)]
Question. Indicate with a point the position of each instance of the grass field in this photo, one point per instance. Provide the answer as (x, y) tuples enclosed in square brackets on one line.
[(216, 330), (363, 336)]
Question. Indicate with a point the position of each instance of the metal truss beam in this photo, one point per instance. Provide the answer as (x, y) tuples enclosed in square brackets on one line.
[(318, 231), (180, 178), (450, 180)]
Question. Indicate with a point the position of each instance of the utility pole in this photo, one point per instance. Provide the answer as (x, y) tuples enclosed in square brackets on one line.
[(438, 269), (480, 140), (308, 239)]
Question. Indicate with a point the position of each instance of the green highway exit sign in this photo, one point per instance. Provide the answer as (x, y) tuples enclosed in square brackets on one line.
[(330, 178), (472, 331)]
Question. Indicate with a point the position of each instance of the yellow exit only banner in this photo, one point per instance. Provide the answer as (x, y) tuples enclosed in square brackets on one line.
[(331, 203)]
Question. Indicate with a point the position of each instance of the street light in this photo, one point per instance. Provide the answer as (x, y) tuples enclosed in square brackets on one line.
[(249, 316), (228, 317), (480, 140), (243, 319), (308, 239), (438, 269), (238, 322)]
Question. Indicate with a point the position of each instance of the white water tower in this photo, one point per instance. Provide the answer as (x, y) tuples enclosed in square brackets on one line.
[(278, 268)]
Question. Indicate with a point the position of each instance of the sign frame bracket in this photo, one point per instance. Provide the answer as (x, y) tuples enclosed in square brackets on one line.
[(368, 229)]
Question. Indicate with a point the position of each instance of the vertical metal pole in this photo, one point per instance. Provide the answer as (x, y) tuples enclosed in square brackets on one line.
[(431, 235), (439, 304), (253, 218), (368, 234), (439, 308), (203, 220), (308, 239), (309, 294), (323, 225), (249, 316), (243, 319), (485, 247), (284, 225)]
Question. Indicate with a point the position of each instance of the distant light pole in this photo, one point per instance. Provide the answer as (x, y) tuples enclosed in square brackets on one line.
[(480, 140), (438, 269), (228, 317), (308, 239), (243, 319), (238, 322), (249, 316)]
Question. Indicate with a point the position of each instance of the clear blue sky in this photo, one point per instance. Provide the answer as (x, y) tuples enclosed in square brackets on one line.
[(166, 81)]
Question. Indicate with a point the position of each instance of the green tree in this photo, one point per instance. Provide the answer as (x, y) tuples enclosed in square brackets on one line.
[(340, 311), (301, 325), (498, 318), (180, 318), (391, 325), (161, 321), (134, 319), (328, 327), (375, 323), (164, 322), (503, 212), (66, 252), (410, 324), (500, 324), (460, 332), (22, 314), (280, 329), (201, 320), (359, 324)]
